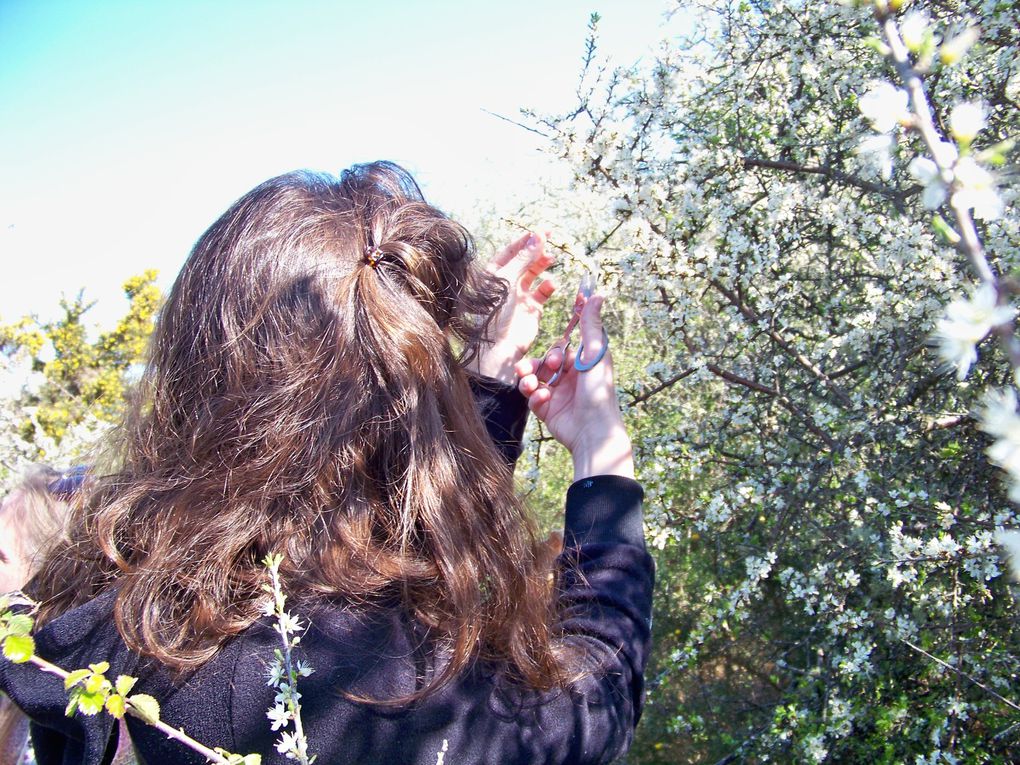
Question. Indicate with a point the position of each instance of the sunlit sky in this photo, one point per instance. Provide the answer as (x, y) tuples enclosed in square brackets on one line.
[(128, 127)]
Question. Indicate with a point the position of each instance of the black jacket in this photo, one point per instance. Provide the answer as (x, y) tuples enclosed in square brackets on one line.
[(480, 717)]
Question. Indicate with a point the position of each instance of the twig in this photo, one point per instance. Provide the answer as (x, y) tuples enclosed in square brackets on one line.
[(805, 363), (635, 400), (924, 123), (962, 674), (828, 172), (516, 123), (175, 733), (781, 397)]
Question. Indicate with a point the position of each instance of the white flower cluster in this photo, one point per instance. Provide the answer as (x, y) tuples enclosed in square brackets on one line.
[(283, 672), (999, 418), (21, 447), (949, 170), (792, 300)]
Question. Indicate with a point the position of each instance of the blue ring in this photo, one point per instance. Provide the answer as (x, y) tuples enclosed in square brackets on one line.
[(591, 364)]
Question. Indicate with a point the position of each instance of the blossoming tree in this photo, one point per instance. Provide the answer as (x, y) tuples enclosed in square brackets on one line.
[(815, 471)]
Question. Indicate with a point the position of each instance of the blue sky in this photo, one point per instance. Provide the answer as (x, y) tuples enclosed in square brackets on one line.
[(128, 127)]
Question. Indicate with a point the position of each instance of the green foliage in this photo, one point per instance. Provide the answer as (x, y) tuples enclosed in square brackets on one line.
[(83, 377), (146, 707), (89, 691), (817, 491), (15, 634), (18, 648)]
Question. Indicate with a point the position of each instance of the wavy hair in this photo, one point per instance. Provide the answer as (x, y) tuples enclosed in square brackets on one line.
[(302, 400)]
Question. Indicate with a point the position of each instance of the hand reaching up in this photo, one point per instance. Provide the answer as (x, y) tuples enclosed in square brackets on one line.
[(581, 410), (522, 264)]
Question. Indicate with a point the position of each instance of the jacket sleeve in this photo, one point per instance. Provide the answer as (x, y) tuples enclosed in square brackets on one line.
[(605, 604), (72, 641), (504, 411)]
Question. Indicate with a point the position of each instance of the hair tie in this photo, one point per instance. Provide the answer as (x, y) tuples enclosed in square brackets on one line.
[(373, 256)]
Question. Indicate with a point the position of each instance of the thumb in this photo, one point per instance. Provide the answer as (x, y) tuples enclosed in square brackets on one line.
[(593, 336)]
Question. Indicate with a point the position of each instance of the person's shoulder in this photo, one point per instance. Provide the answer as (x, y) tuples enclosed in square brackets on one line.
[(90, 623)]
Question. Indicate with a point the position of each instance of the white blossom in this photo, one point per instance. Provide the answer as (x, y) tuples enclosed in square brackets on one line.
[(976, 190), (287, 744), (999, 415), (966, 120), (877, 149), (288, 623), (954, 49), (885, 106), (275, 673), (931, 174), (928, 175), (1010, 542), (966, 323), (814, 748), (278, 716), (913, 28)]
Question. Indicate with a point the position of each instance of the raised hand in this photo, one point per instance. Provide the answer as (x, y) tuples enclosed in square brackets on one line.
[(581, 411), (515, 327)]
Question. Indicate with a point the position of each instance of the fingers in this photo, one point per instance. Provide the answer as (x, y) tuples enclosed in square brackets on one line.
[(537, 393), (530, 262), (594, 341), (538, 402), (539, 370), (524, 259), (544, 291), (508, 253)]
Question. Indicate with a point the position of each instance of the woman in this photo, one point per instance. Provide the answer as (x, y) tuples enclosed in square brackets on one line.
[(309, 392)]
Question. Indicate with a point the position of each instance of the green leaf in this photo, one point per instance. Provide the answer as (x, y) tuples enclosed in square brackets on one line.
[(20, 624), (76, 677), (996, 155), (100, 668), (145, 707), (97, 684), (19, 648), (115, 705), (125, 683), (877, 45), (943, 229), (253, 759), (72, 703), (91, 703)]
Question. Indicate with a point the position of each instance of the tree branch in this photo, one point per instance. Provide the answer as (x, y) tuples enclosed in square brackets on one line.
[(779, 396), (636, 399), (752, 316), (836, 175)]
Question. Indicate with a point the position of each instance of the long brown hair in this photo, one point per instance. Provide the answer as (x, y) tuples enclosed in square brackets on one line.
[(301, 399)]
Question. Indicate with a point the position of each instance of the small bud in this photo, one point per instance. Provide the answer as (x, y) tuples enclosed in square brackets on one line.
[(956, 48), (877, 45), (943, 229), (914, 29), (996, 155)]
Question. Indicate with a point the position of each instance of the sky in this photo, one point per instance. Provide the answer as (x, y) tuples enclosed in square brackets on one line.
[(127, 128)]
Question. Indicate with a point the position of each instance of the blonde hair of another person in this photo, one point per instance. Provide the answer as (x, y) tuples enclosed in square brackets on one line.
[(32, 520)]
